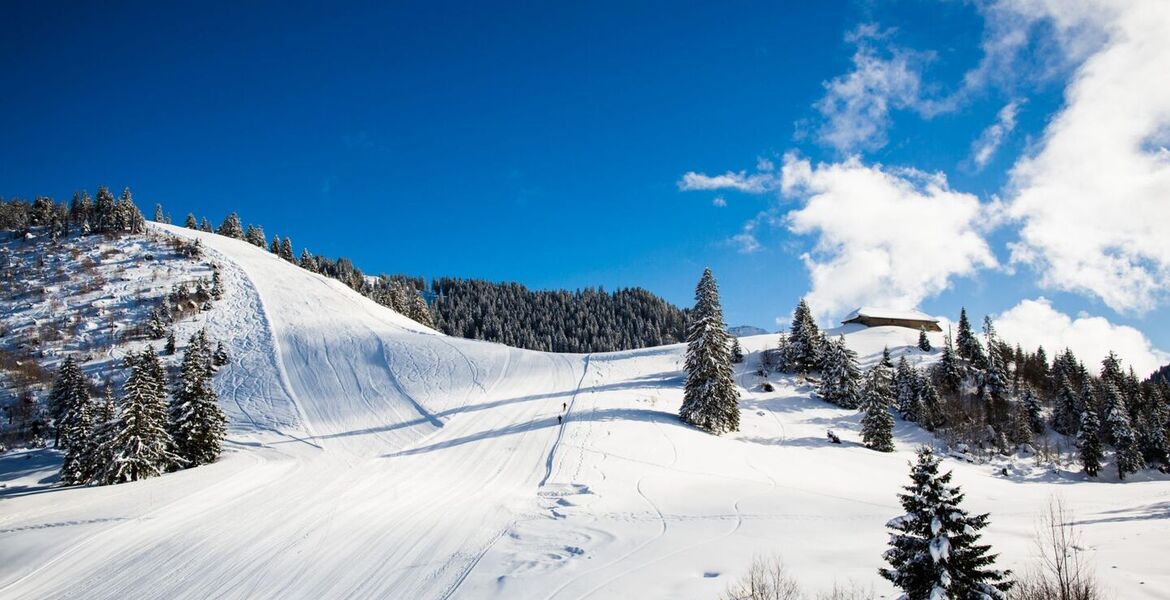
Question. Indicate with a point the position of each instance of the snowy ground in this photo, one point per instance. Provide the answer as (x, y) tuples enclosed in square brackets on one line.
[(369, 457)]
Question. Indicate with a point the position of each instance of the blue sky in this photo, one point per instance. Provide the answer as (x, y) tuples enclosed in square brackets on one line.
[(549, 144)]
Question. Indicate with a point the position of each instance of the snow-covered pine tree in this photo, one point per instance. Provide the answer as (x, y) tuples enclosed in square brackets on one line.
[(1066, 405), (840, 375), (275, 247), (966, 340), (800, 347), (197, 424), (950, 373), (736, 351), (191, 223), (306, 261), (127, 216), (141, 447), (906, 391), (220, 357), (930, 404), (159, 217), (419, 311), (923, 341), (81, 444), (70, 391), (886, 361), (216, 285), (1089, 439), (286, 250), (1030, 402), (231, 227), (877, 425), (103, 211), (710, 400), (1117, 425), (935, 552), (255, 235), (205, 225), (156, 327), (1152, 435), (105, 427), (169, 348)]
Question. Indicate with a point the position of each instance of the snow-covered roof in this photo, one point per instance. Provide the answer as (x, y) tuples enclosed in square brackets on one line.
[(889, 313)]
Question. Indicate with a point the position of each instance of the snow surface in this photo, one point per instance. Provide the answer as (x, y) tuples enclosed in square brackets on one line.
[(371, 457)]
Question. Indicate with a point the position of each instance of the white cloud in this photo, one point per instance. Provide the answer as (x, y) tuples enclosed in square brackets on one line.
[(1094, 199), (991, 138), (856, 106), (887, 237), (1033, 323), (719, 201), (756, 183)]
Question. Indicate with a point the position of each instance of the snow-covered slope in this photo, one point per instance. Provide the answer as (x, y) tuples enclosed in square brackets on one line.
[(370, 457)]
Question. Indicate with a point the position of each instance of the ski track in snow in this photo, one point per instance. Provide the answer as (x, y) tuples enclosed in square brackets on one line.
[(369, 457)]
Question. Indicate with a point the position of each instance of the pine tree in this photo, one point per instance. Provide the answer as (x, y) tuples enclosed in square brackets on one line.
[(220, 357), (877, 425), (275, 247), (1152, 434), (255, 235), (158, 214), (70, 391), (934, 550), (1031, 405), (231, 227), (710, 400), (127, 217), (1089, 439), (216, 284), (286, 251), (419, 311), (103, 211), (306, 261), (886, 361), (906, 391), (800, 347), (81, 444), (169, 348), (205, 225), (923, 341), (950, 373), (736, 351), (930, 404), (190, 222), (1066, 409), (1117, 423), (157, 326), (141, 447), (840, 376), (197, 424)]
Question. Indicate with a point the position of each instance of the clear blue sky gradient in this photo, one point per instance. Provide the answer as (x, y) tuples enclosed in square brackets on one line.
[(529, 141)]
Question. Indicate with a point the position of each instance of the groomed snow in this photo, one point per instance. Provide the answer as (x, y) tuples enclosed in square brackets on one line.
[(370, 457)]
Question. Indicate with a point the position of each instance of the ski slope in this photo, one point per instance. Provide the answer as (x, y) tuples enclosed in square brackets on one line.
[(371, 457)]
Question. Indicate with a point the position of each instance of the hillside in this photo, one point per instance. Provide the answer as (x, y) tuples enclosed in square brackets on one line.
[(369, 456)]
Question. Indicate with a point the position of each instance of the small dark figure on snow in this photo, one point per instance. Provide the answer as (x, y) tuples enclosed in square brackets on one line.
[(564, 406), (833, 439), (560, 419)]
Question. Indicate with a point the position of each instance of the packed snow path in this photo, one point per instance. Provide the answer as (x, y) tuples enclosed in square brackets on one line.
[(372, 458)]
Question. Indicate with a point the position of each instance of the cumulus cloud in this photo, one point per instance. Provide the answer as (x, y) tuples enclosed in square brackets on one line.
[(1033, 323), (890, 237), (991, 138), (756, 183), (1092, 201)]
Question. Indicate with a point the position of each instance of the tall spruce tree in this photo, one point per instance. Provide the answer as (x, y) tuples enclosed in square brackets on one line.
[(70, 391), (840, 375), (79, 462), (159, 217), (1089, 440), (877, 425), (286, 250), (923, 341), (967, 342), (1117, 422), (231, 227), (736, 351), (950, 373), (710, 400), (930, 404), (906, 390), (191, 223), (800, 347), (140, 447), (197, 424), (935, 552), (1066, 409)]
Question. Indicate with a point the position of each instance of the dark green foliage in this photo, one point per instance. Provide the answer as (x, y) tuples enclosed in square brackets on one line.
[(877, 424), (190, 223), (968, 345), (935, 552), (1089, 439), (800, 349), (710, 400), (140, 446), (1120, 431), (840, 375), (948, 369), (196, 422), (924, 342), (231, 227), (736, 351)]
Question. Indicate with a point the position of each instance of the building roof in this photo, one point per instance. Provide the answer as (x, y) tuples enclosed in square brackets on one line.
[(888, 313)]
